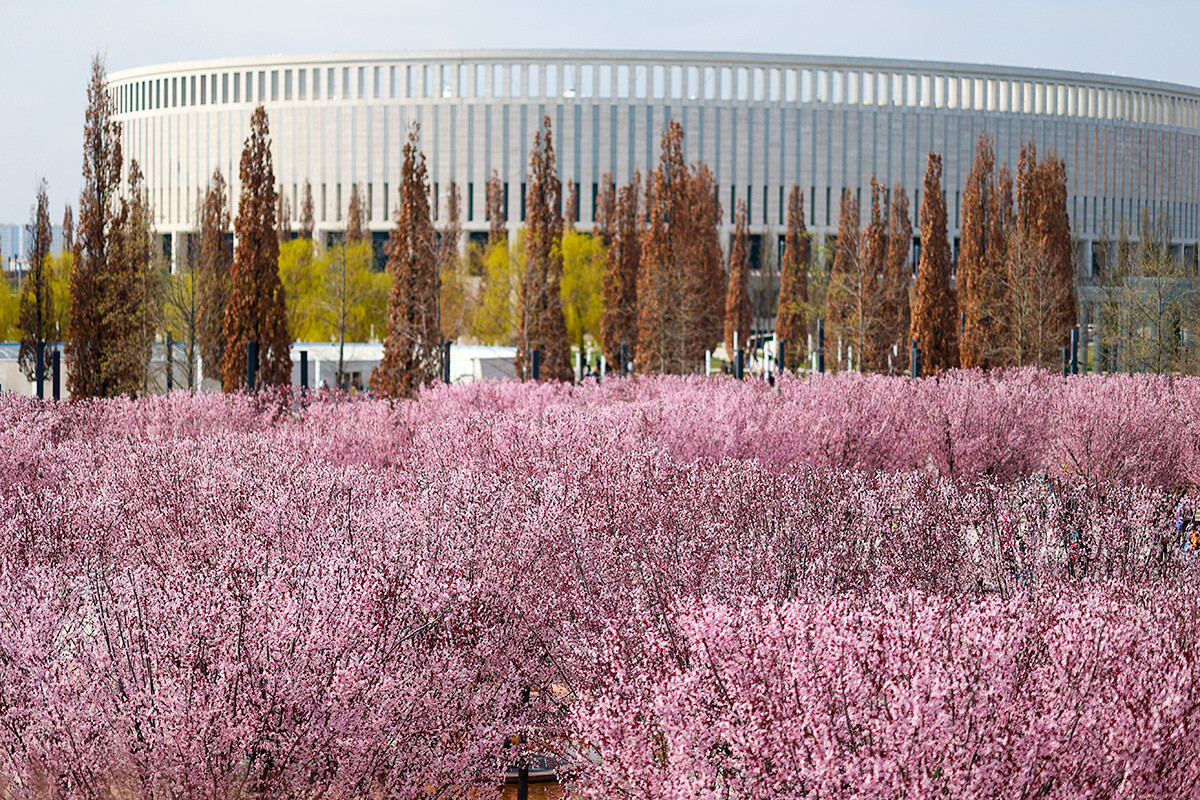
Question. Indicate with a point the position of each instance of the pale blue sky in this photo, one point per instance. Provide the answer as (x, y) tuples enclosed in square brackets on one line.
[(46, 45)]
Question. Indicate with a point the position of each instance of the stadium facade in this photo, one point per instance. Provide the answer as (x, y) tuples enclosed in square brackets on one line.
[(762, 123)]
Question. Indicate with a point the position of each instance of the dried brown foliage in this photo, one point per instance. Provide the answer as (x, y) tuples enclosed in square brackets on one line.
[(213, 264), (619, 322), (255, 310), (1045, 232), (68, 230), (934, 314), (606, 210), (894, 310), (873, 257), (975, 268), (283, 218), (571, 209), (355, 228), (412, 348), (455, 300), (307, 222), (36, 319), (542, 324), (497, 218), (103, 330), (842, 300), (737, 298), (681, 283), (791, 324)]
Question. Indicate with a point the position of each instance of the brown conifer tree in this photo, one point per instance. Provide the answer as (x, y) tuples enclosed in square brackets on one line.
[(737, 299), (140, 265), (87, 329), (894, 311), (496, 214), (571, 210), (256, 308), (283, 218), (1001, 229), (974, 267), (542, 325), (455, 302), (412, 349), (36, 316), (845, 286), (354, 217), (873, 257), (307, 223), (68, 230), (104, 330), (704, 266), (681, 283), (791, 324), (934, 316), (606, 210), (618, 323), (213, 262)]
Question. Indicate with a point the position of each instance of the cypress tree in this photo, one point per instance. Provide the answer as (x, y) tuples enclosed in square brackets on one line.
[(543, 326), (412, 349), (255, 310), (975, 269), (496, 214), (100, 311), (791, 325), (934, 317), (307, 222), (619, 322), (737, 299), (355, 229), (36, 316), (873, 256), (894, 310), (213, 263), (842, 306)]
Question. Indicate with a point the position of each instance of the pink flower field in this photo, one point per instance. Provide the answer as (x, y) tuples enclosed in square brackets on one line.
[(976, 586)]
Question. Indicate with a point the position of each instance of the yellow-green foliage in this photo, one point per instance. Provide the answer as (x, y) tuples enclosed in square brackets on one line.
[(10, 310), (321, 286), (583, 270), (495, 320)]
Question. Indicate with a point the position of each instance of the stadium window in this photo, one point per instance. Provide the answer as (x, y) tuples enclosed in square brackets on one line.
[(301, 84), (192, 93), (606, 79), (532, 72), (287, 84), (224, 88), (622, 80), (361, 89), (262, 86)]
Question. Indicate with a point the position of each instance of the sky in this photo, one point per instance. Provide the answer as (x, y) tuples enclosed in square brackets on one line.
[(46, 46)]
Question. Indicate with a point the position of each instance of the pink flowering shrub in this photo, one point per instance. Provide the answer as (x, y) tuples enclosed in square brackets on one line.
[(847, 586)]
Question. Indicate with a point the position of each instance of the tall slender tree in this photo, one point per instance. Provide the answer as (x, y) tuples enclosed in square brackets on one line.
[(791, 324), (934, 316), (140, 262), (256, 309), (975, 267), (213, 262), (104, 309), (842, 300), (571, 208), (456, 304), (873, 258), (606, 210), (36, 316), (355, 227), (619, 322), (496, 212), (543, 326), (737, 299), (307, 223), (68, 229), (283, 217), (681, 282), (894, 309), (412, 349)]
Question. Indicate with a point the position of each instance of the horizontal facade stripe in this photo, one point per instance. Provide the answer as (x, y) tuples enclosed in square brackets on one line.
[(762, 123)]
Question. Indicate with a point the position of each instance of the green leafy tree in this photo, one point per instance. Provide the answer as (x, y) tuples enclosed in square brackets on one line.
[(496, 315)]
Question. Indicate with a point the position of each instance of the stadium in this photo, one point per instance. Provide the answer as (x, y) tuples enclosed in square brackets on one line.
[(763, 123)]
